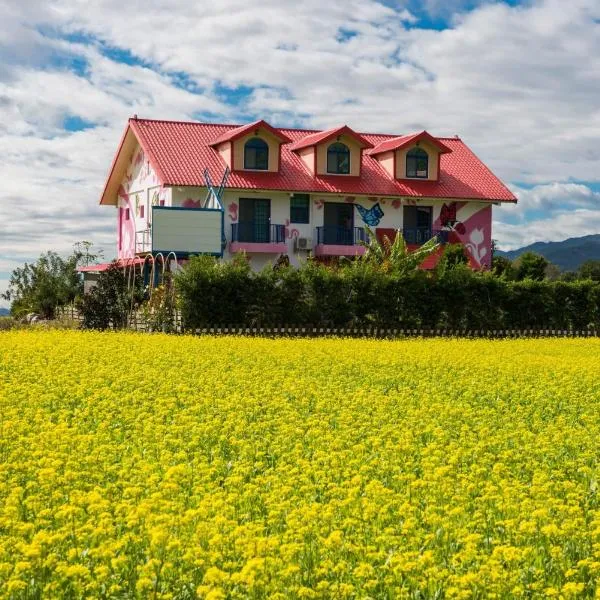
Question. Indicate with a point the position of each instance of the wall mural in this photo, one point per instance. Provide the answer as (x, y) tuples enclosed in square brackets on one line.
[(233, 212), (132, 195), (371, 216), (191, 203), (473, 231), (290, 233)]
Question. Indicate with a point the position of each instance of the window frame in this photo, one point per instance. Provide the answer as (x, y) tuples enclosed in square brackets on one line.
[(415, 155), (305, 209), (262, 147), (339, 153)]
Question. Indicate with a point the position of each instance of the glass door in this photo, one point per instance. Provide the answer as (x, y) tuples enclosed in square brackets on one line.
[(255, 220), (338, 221)]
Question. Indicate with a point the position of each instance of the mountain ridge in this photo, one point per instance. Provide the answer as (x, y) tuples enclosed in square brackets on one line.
[(567, 254)]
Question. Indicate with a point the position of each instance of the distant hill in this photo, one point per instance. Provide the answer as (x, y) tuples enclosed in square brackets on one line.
[(4, 312), (567, 255)]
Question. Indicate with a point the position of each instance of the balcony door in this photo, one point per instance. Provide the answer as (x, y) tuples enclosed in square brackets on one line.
[(338, 221), (417, 221), (255, 220)]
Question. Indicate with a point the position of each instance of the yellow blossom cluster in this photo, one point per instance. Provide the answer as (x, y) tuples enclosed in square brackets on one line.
[(154, 466)]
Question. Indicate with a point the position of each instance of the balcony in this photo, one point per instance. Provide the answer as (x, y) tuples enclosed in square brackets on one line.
[(415, 236), (143, 241), (183, 231), (253, 236), (340, 241)]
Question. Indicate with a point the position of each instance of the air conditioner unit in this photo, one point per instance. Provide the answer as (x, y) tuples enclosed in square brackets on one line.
[(303, 243)]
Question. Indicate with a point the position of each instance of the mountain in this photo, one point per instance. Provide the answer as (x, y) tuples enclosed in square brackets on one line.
[(567, 255), (4, 312)]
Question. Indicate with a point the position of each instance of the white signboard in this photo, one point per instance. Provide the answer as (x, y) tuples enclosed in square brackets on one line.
[(186, 230)]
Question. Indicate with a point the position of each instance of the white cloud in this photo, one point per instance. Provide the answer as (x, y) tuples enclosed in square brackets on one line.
[(547, 213), (519, 84), (575, 223)]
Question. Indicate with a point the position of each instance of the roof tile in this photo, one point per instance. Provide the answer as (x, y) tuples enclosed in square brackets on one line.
[(182, 150)]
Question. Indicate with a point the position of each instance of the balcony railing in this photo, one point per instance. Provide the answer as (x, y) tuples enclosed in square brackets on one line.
[(257, 233), (420, 235), (340, 236), (143, 241)]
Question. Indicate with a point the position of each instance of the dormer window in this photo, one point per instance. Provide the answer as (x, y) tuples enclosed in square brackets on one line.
[(417, 163), (338, 159), (256, 154)]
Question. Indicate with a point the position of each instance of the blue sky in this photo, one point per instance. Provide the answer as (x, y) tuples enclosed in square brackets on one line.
[(518, 81)]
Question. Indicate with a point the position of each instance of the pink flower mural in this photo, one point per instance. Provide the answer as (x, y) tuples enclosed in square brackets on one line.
[(474, 232), (233, 212), (290, 232), (191, 203)]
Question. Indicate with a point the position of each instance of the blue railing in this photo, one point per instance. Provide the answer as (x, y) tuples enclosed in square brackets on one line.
[(420, 235), (257, 233), (342, 236)]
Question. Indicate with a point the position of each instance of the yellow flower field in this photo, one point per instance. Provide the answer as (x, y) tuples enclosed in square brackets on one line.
[(148, 466)]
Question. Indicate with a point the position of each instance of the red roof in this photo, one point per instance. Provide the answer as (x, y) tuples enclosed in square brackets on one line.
[(238, 132), (128, 262), (180, 151), (405, 140), (312, 139)]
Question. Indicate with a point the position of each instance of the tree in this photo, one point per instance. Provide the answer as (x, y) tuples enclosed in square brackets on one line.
[(531, 266), (395, 257), (454, 256), (86, 254), (50, 282), (110, 301), (590, 269), (503, 267)]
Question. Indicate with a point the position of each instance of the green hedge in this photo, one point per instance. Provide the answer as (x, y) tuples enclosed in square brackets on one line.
[(213, 293)]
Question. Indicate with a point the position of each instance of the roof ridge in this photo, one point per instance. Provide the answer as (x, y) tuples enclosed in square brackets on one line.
[(307, 131), (138, 119)]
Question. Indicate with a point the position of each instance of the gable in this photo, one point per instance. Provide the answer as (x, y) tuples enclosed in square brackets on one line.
[(355, 155)]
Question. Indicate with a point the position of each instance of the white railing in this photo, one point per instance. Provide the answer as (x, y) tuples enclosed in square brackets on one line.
[(143, 241)]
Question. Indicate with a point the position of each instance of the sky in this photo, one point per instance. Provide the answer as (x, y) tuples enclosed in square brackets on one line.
[(519, 82)]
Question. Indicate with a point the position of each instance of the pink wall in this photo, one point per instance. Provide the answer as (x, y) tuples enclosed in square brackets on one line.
[(140, 189)]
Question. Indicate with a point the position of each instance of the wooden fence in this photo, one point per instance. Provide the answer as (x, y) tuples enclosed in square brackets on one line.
[(138, 323)]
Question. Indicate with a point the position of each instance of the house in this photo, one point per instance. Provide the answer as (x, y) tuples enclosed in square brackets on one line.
[(202, 188)]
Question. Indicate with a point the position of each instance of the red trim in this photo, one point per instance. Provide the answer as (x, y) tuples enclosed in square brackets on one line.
[(122, 262), (439, 163), (321, 137), (405, 140), (238, 132), (395, 173)]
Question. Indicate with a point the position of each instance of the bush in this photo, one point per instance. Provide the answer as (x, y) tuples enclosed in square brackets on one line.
[(362, 294), (110, 302)]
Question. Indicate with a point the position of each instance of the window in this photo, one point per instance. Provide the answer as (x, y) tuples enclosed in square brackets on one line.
[(299, 208), (338, 159), (417, 163), (256, 154)]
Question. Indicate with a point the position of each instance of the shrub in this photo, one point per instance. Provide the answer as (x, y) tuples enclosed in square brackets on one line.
[(363, 293), (110, 302)]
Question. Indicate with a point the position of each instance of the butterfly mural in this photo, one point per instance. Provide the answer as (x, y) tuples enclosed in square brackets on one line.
[(371, 216), (448, 218)]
